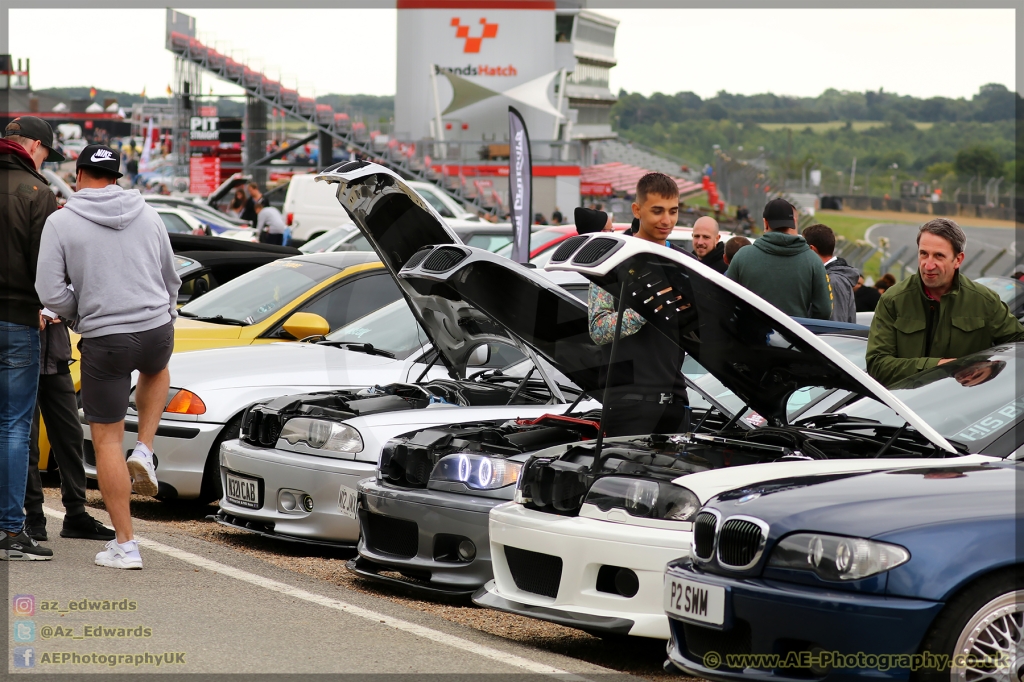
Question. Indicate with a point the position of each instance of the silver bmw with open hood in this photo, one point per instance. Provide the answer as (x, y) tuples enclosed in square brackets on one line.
[(293, 473)]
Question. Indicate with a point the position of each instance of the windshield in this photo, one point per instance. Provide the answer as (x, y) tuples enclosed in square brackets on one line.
[(852, 348), (324, 242), (259, 293), (972, 400), (1007, 289), (392, 328)]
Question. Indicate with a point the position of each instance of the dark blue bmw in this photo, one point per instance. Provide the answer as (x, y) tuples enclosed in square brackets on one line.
[(912, 574)]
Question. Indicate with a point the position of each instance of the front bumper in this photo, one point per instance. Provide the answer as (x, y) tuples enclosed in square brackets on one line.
[(583, 546), (321, 478), (436, 522), (777, 618), (182, 449)]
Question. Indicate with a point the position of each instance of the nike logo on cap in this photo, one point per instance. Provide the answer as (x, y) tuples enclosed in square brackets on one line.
[(102, 155)]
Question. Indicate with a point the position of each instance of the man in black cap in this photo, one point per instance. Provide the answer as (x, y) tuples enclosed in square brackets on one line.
[(25, 204), (782, 269), (113, 249)]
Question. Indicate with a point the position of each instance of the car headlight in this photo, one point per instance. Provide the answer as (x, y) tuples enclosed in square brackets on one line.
[(643, 498), (833, 557), (479, 472), (321, 434)]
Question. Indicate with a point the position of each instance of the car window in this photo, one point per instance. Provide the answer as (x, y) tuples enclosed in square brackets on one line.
[(175, 224), (324, 242), (853, 348), (358, 243), (259, 293), (1007, 289), (354, 298), (973, 400), (436, 202), (503, 355), (490, 242), (392, 328)]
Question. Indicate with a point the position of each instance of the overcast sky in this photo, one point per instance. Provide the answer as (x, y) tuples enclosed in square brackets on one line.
[(920, 52)]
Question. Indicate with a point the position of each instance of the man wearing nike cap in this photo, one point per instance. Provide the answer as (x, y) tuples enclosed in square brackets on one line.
[(25, 204), (113, 249)]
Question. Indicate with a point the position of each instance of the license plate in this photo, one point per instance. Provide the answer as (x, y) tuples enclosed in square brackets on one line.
[(245, 492), (347, 502), (694, 601)]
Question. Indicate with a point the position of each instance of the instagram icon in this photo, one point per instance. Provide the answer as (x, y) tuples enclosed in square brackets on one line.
[(24, 605)]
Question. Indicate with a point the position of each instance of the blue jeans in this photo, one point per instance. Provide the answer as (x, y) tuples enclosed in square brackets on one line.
[(19, 382)]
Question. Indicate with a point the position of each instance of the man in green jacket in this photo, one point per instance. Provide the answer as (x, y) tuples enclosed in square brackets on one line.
[(782, 269), (937, 315)]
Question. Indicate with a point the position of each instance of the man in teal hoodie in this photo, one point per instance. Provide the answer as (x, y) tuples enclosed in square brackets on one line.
[(782, 269)]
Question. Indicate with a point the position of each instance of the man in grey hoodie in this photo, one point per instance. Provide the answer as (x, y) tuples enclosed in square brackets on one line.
[(105, 263), (781, 269), (841, 277)]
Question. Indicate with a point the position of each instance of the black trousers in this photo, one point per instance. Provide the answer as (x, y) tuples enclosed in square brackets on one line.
[(642, 418), (59, 408), (268, 238)]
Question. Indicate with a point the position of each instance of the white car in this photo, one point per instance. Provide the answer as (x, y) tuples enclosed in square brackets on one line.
[(586, 545), (178, 221), (293, 473)]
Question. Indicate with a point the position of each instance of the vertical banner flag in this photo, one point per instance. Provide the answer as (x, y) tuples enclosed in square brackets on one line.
[(147, 149), (520, 186)]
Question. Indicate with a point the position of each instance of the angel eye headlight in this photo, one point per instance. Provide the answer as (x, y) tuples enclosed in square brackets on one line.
[(833, 557), (479, 472), (321, 434), (643, 498)]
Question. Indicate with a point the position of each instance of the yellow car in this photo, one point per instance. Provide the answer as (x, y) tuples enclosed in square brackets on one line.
[(285, 300)]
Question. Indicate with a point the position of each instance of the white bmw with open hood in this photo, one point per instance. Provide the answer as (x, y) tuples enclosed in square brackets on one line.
[(293, 473), (586, 539)]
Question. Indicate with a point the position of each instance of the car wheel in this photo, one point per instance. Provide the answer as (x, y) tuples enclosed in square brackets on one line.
[(985, 620), (210, 489)]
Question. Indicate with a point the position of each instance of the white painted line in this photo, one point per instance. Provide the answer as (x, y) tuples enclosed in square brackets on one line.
[(379, 618)]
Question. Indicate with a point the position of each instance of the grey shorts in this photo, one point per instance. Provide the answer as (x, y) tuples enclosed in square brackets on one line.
[(107, 366)]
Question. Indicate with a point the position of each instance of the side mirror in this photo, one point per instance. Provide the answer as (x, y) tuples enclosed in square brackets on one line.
[(480, 356), (301, 325)]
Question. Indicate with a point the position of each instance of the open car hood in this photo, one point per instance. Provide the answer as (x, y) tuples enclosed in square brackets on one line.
[(753, 348), (402, 228)]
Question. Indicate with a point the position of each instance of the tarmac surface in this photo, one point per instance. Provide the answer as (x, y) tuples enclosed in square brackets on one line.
[(984, 244), (203, 607)]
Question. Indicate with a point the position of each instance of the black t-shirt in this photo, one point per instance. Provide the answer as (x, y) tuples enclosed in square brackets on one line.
[(866, 299)]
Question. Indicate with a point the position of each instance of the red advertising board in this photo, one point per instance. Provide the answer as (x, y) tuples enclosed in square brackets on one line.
[(596, 189), (203, 174)]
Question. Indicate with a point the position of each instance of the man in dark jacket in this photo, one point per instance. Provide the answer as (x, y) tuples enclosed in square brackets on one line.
[(936, 315), (707, 246), (842, 278), (781, 268), (25, 204), (59, 409)]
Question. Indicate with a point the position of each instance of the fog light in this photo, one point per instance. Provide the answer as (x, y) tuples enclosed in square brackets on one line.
[(307, 503), (287, 501), (467, 550), (627, 583)]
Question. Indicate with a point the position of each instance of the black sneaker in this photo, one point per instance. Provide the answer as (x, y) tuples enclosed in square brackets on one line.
[(35, 526), (21, 547), (85, 527)]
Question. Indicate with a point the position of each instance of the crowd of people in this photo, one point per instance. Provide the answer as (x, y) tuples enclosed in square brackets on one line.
[(104, 266)]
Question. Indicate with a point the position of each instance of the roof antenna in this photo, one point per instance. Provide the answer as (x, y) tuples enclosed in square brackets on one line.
[(611, 363)]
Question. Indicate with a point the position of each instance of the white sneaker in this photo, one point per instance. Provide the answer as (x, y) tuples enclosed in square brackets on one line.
[(143, 473), (117, 556)]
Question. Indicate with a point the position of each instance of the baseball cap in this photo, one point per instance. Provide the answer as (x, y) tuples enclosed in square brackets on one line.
[(589, 220), (101, 157), (34, 128), (779, 213)]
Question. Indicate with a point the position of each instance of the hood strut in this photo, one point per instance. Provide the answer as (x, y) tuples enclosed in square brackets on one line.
[(611, 363)]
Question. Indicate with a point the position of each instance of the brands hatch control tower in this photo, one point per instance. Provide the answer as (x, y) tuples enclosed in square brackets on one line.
[(460, 65)]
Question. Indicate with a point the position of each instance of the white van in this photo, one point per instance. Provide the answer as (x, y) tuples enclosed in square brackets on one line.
[(311, 208)]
